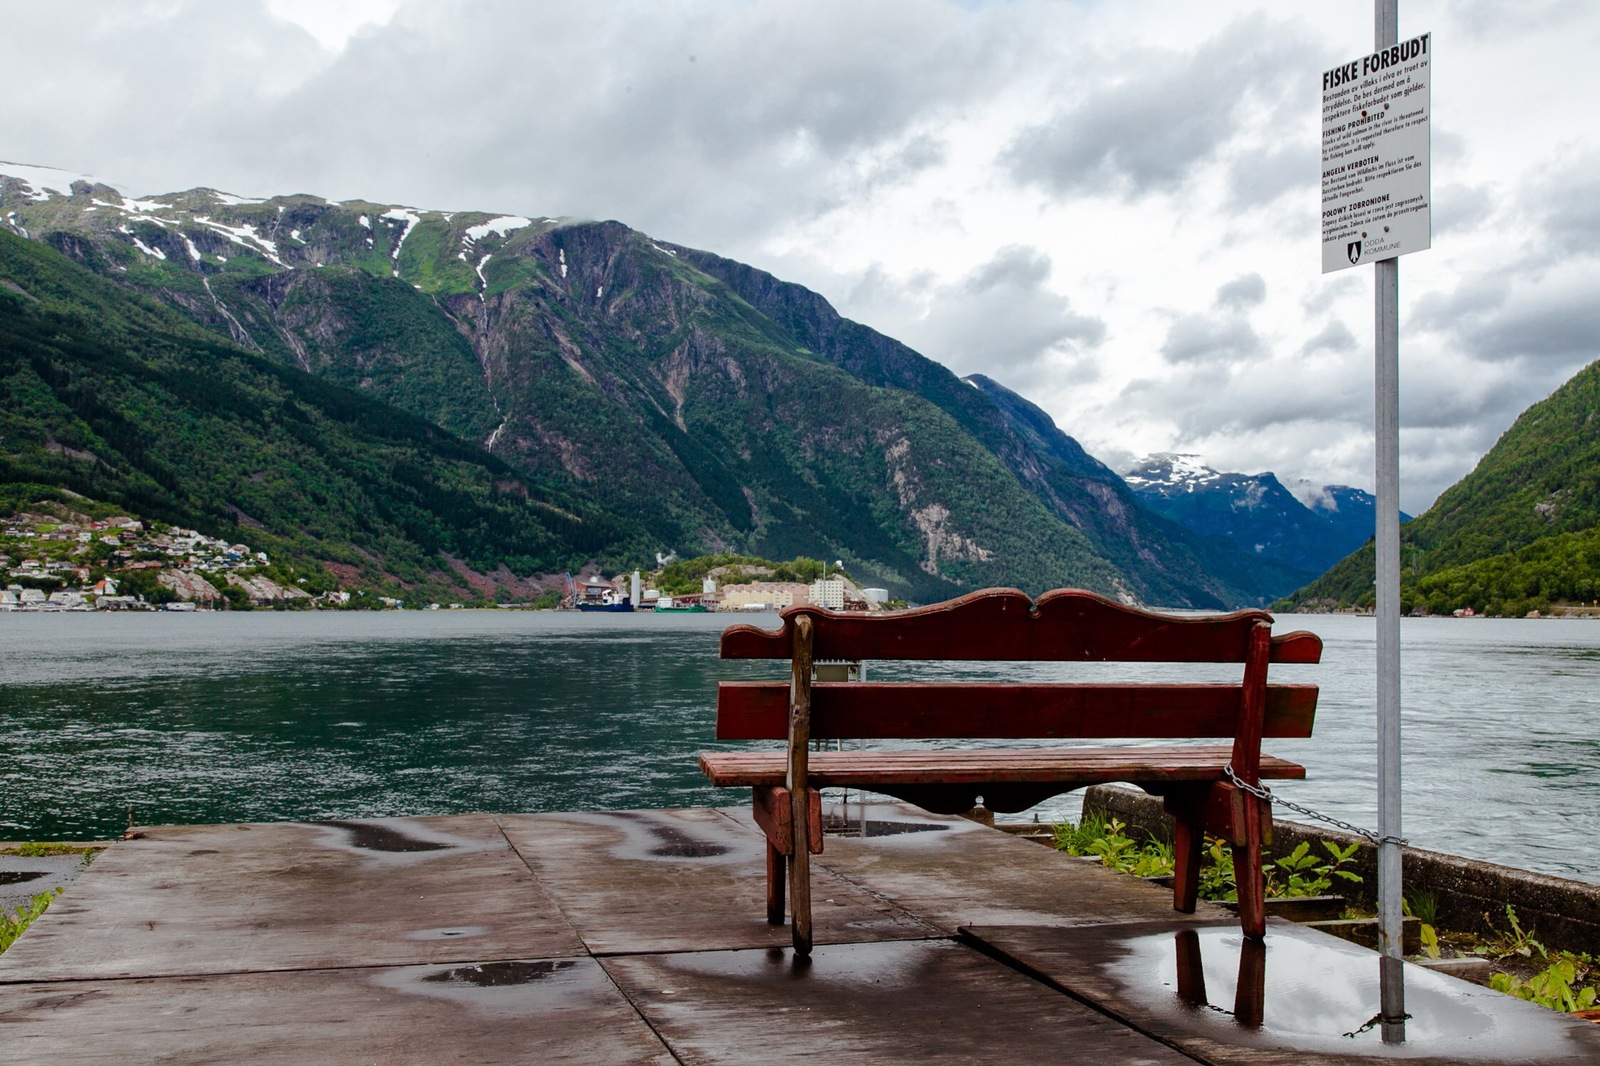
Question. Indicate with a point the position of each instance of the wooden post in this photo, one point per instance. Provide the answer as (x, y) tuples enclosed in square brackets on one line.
[(799, 746), (1247, 765)]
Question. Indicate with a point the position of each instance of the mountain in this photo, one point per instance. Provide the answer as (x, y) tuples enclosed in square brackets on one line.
[(1519, 533), (1255, 513), (1105, 507), (115, 398), (590, 357), (715, 406), (1157, 559)]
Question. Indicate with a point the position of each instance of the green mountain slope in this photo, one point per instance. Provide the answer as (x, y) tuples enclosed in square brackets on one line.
[(1160, 560), (116, 398), (721, 409), (1516, 534)]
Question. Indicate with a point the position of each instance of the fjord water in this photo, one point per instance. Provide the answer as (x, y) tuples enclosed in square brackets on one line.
[(294, 716)]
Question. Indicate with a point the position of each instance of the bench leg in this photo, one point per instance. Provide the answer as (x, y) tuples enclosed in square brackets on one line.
[(776, 871), (800, 883), (1248, 877), (1187, 808), (1188, 849)]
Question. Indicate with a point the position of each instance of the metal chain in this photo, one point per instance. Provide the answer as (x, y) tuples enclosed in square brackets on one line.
[(1371, 1024), (1263, 792)]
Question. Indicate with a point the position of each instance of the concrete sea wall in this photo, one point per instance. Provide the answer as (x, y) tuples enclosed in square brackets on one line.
[(1470, 896)]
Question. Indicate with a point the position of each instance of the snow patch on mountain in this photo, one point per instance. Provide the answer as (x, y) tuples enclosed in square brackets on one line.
[(245, 237), (48, 181), (146, 249), (1172, 470), (406, 218), (129, 205), (501, 226)]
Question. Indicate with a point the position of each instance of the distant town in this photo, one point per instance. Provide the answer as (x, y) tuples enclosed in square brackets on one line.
[(52, 562), (729, 588), (120, 563)]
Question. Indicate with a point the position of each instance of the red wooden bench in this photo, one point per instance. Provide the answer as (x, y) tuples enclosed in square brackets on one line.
[(1067, 625)]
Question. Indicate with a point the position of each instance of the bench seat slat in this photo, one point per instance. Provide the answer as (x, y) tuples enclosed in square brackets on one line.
[(759, 710), (1083, 766)]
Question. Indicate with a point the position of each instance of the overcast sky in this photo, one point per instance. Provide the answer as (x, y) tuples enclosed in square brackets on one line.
[(1110, 207)]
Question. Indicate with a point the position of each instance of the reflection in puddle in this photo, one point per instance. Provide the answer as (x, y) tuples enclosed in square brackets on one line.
[(449, 932), (667, 840), (674, 842), (1307, 991), (870, 828), (856, 819), (500, 974), (372, 837)]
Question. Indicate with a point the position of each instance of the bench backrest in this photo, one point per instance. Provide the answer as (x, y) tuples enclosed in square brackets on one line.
[(1067, 625)]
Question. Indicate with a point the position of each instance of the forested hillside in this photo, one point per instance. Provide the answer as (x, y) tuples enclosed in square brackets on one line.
[(123, 401), (589, 356), (1519, 533)]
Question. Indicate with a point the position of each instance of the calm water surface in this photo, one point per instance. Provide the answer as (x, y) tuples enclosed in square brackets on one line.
[(266, 716)]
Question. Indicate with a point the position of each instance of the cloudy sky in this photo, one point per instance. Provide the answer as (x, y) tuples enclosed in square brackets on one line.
[(1111, 207)]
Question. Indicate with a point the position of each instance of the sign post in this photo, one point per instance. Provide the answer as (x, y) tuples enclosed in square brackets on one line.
[(1375, 208)]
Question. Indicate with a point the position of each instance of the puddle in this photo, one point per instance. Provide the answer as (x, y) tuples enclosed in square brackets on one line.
[(666, 840), (528, 989), (675, 843), (371, 837), (451, 932), (879, 828), (17, 877), (501, 974), (1311, 992)]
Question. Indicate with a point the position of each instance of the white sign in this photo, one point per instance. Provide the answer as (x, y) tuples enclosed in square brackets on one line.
[(1375, 156)]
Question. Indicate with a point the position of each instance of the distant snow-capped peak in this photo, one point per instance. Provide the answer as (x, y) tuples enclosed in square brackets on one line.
[(1170, 471)]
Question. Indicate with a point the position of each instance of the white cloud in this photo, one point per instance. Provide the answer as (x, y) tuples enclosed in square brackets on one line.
[(1070, 197), (1245, 291)]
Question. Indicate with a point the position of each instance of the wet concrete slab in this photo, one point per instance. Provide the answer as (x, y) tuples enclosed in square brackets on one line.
[(1302, 997), (640, 936), (220, 899), (684, 880), (544, 1011), (953, 872), (899, 1002)]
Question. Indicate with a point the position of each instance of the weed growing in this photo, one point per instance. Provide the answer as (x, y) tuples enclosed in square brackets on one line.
[(1299, 873), (14, 925), (1567, 983)]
